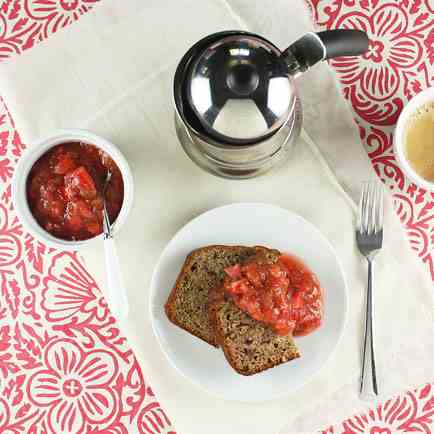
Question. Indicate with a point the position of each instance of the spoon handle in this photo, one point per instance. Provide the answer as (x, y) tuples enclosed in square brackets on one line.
[(116, 293)]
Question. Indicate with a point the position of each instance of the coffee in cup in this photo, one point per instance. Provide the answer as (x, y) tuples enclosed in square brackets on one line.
[(419, 141), (414, 139)]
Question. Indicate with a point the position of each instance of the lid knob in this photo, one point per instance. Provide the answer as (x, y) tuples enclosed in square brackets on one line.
[(239, 89)]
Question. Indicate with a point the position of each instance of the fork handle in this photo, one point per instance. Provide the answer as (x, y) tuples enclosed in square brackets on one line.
[(368, 380)]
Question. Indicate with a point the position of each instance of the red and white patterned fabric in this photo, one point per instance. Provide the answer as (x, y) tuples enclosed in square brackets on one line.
[(64, 366), (398, 65), (377, 85)]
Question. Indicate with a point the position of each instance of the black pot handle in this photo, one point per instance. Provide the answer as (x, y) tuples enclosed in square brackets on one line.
[(314, 47), (344, 42)]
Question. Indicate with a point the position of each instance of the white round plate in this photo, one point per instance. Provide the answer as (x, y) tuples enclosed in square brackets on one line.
[(249, 224)]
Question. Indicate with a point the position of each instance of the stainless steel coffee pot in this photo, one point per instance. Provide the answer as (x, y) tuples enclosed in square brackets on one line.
[(237, 111)]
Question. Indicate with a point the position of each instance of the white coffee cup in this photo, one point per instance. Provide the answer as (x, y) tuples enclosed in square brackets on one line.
[(423, 98)]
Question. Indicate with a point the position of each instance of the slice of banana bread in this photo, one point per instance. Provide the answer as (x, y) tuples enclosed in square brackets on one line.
[(249, 345), (187, 305)]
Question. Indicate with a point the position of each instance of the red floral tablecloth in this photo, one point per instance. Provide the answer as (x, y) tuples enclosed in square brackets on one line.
[(64, 366)]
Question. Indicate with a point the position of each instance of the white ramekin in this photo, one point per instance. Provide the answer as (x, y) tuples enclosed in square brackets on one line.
[(36, 150), (424, 97)]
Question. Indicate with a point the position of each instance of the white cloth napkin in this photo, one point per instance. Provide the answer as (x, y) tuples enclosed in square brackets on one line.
[(112, 73)]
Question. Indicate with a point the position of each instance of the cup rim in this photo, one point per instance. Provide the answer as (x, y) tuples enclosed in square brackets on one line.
[(39, 147), (422, 98)]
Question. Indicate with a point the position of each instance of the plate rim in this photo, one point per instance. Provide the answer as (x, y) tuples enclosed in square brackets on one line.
[(343, 326)]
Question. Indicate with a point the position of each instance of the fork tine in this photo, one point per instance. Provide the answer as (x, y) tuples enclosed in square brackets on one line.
[(359, 211), (380, 206), (370, 208), (362, 209), (366, 210), (375, 205)]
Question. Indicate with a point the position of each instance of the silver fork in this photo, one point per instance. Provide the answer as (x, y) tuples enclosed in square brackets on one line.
[(369, 236)]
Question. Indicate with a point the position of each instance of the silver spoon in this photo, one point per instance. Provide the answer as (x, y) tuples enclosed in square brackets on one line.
[(116, 293)]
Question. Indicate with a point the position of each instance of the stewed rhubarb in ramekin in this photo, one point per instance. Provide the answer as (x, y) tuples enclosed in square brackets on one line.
[(64, 190)]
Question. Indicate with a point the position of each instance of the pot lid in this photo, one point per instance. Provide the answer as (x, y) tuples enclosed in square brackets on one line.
[(239, 89)]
